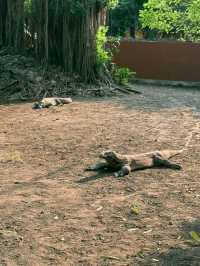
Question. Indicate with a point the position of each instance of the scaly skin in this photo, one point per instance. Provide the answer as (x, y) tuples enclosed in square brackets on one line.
[(51, 101), (124, 164)]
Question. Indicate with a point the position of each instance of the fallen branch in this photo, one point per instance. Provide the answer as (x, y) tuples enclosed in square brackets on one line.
[(127, 90), (132, 90), (111, 258), (122, 90)]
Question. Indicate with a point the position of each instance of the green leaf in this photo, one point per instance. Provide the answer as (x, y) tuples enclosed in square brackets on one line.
[(135, 209), (195, 236)]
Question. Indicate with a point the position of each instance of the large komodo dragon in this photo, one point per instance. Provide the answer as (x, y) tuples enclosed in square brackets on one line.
[(51, 101), (124, 164)]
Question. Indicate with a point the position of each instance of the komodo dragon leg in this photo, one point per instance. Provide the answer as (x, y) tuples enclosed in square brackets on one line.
[(159, 161), (98, 166), (59, 102), (125, 170)]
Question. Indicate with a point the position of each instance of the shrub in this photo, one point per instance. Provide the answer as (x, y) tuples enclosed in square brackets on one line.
[(122, 75)]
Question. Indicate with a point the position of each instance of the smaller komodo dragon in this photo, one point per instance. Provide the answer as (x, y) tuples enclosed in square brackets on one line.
[(51, 101), (124, 164)]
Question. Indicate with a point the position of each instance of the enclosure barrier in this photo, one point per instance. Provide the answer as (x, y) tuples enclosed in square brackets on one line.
[(163, 60)]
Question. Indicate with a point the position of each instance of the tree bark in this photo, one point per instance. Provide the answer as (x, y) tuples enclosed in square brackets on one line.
[(3, 15), (59, 34)]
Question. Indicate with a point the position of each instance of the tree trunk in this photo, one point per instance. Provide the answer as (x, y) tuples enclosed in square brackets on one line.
[(15, 24), (3, 15), (46, 32), (60, 33)]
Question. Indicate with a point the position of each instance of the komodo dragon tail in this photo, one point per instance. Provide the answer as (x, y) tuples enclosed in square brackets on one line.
[(172, 153), (167, 154)]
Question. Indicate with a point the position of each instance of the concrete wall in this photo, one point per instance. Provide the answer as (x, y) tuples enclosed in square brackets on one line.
[(178, 61)]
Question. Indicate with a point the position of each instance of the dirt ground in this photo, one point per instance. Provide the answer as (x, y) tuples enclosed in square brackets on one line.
[(52, 212)]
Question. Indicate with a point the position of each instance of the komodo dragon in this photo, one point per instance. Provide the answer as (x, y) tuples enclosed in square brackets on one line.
[(124, 164), (51, 101)]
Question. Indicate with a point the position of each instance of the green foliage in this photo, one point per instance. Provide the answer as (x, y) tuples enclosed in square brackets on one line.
[(122, 75), (27, 5), (103, 56), (80, 6), (106, 3), (124, 16), (135, 209), (106, 47), (178, 18), (112, 3), (195, 236)]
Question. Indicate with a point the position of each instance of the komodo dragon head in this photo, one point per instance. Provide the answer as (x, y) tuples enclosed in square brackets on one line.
[(38, 105), (108, 155), (111, 157)]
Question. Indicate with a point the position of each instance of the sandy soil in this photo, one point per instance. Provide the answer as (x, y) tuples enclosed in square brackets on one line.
[(52, 212)]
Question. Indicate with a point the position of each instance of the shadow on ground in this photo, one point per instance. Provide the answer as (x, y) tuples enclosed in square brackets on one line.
[(182, 257), (97, 175), (188, 255)]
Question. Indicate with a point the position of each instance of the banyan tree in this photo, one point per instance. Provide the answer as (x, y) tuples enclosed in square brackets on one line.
[(60, 32)]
